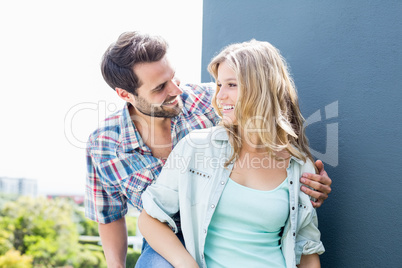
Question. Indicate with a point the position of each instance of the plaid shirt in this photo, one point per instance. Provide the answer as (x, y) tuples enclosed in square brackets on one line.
[(119, 164)]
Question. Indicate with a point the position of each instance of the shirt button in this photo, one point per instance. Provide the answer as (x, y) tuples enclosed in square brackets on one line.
[(291, 182), (222, 182), (294, 234), (212, 206), (293, 208)]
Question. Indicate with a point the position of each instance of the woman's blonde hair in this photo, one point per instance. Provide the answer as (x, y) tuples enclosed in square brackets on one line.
[(267, 106)]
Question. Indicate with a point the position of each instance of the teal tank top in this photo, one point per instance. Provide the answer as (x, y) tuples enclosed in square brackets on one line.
[(245, 228)]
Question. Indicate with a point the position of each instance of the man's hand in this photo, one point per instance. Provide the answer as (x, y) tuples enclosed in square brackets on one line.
[(320, 182)]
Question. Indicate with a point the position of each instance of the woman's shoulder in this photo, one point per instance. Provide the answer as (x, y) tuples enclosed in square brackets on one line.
[(308, 166), (207, 135), (200, 139), (299, 167)]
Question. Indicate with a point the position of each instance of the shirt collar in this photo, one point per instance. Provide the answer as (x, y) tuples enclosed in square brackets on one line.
[(131, 138)]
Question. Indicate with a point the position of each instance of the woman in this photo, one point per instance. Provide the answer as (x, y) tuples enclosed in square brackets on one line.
[(236, 185)]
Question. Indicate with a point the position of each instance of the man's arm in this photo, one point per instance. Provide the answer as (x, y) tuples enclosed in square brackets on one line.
[(114, 242), (320, 182), (164, 241)]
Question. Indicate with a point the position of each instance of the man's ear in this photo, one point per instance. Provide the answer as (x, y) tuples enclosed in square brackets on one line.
[(123, 94)]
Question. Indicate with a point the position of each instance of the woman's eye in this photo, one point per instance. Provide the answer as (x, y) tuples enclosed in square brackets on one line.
[(232, 85), (218, 85)]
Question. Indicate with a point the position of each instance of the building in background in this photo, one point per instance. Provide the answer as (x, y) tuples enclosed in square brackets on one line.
[(19, 186)]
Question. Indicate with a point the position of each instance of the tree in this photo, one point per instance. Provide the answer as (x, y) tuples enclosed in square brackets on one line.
[(13, 259), (42, 233), (41, 228)]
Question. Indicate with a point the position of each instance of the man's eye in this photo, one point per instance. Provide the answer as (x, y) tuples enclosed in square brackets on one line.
[(161, 87)]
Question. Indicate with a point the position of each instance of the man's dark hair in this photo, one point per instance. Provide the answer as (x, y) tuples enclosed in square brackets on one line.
[(130, 48)]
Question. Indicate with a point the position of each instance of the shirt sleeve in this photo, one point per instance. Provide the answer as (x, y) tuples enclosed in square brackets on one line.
[(205, 91), (200, 101), (161, 199), (104, 202), (308, 239), (202, 95)]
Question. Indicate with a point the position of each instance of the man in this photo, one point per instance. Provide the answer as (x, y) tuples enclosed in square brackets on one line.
[(127, 153)]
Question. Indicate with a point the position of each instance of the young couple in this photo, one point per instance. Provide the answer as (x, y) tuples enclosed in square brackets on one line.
[(249, 209)]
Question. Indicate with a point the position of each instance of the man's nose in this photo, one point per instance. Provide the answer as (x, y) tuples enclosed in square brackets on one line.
[(174, 88), (176, 80)]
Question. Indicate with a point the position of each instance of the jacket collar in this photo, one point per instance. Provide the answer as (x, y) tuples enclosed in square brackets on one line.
[(220, 134), (299, 161)]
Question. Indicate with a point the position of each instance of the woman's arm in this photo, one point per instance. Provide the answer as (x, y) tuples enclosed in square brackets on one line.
[(309, 261), (308, 238), (164, 241)]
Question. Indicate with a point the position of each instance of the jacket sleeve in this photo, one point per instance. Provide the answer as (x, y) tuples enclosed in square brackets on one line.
[(308, 239), (161, 199)]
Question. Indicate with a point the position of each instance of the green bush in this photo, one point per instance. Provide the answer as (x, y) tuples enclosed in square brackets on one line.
[(132, 257), (90, 256), (47, 231), (42, 233), (131, 223), (6, 235), (13, 259), (85, 225), (43, 229)]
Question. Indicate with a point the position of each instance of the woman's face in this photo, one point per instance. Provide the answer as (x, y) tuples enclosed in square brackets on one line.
[(227, 95)]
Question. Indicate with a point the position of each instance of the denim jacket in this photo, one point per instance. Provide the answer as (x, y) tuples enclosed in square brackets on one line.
[(193, 180)]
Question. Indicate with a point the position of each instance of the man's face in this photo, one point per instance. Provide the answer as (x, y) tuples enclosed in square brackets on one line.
[(158, 95)]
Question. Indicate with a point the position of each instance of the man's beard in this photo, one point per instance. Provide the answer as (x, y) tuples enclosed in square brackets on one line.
[(157, 111)]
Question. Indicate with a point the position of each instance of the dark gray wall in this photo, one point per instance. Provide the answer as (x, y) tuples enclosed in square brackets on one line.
[(345, 57)]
